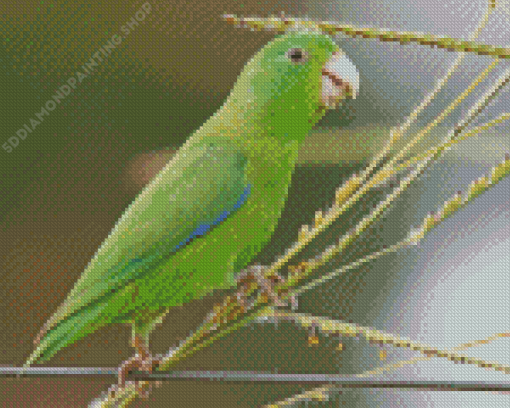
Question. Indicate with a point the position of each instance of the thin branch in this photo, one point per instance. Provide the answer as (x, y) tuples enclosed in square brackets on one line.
[(280, 25), (389, 169), (457, 134), (399, 364), (323, 391), (473, 132), (337, 327), (399, 130)]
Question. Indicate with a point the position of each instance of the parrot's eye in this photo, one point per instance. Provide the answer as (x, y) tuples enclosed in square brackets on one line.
[(297, 55)]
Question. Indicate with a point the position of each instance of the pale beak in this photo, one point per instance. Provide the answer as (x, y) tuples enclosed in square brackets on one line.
[(340, 80)]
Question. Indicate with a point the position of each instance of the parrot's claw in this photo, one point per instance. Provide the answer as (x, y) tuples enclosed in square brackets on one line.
[(141, 362), (266, 284)]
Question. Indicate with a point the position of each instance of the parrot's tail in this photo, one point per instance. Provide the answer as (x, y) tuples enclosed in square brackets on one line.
[(67, 331)]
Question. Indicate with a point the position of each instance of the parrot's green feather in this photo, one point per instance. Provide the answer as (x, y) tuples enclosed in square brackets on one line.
[(210, 182), (211, 209), (194, 189)]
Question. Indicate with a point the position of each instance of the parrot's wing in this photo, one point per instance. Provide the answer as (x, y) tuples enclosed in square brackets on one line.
[(198, 189)]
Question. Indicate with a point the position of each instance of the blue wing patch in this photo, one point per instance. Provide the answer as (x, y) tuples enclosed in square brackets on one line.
[(202, 229)]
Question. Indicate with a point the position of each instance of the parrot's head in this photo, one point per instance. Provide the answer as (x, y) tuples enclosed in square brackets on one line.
[(293, 80)]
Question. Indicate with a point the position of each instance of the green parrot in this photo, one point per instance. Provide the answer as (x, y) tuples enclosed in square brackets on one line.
[(215, 204)]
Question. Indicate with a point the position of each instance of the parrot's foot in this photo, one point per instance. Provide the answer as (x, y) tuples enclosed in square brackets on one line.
[(266, 284), (141, 361)]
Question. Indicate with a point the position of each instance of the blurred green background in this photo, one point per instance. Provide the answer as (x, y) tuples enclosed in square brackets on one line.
[(65, 185)]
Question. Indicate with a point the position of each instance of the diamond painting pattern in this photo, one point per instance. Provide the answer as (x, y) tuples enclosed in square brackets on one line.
[(171, 170)]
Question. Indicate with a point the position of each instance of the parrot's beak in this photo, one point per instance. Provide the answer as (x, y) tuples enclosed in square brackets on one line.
[(340, 80)]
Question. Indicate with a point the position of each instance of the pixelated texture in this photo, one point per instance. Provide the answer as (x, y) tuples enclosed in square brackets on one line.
[(64, 186)]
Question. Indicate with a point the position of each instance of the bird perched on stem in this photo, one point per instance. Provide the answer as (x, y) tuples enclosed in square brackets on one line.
[(213, 207)]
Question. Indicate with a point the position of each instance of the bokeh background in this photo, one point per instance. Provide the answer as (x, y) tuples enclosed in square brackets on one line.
[(65, 185)]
